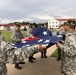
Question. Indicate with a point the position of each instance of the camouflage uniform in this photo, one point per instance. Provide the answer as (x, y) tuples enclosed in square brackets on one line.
[(68, 63), (10, 54), (60, 33), (28, 32), (17, 36)]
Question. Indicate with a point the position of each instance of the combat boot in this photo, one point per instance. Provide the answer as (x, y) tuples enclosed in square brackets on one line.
[(17, 66)]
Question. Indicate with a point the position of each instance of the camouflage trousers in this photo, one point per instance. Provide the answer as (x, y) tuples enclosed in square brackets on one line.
[(3, 69)]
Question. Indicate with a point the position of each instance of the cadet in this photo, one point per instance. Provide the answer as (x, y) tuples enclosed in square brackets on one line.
[(17, 38), (28, 34), (11, 54), (60, 32), (68, 62), (43, 53), (29, 29)]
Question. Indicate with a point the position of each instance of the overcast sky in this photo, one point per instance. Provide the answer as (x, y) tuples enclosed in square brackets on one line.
[(36, 10)]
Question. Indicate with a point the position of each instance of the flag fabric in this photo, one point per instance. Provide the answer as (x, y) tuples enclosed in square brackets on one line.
[(42, 32), (40, 35)]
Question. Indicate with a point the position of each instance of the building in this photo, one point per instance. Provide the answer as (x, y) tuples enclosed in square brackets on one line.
[(55, 23), (65, 20), (5, 26), (10, 26)]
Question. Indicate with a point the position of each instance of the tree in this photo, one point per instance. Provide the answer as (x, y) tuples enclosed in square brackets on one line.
[(25, 22)]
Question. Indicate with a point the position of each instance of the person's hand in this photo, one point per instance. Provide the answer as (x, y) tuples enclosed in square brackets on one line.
[(57, 44), (42, 47), (62, 41)]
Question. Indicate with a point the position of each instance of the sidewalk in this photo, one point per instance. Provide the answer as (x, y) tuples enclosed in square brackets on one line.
[(45, 66)]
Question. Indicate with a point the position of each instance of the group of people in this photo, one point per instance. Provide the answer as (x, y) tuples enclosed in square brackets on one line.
[(11, 54), (66, 49)]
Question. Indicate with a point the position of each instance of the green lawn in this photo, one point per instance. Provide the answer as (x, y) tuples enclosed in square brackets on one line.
[(7, 35), (55, 54)]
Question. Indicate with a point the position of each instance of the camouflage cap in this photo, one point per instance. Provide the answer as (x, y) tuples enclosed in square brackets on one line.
[(70, 22), (18, 25)]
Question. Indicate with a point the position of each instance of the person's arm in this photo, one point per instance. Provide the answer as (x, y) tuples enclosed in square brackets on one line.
[(16, 55), (69, 47), (15, 38)]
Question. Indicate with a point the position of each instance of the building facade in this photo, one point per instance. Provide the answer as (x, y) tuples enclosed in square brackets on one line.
[(10, 26), (53, 23)]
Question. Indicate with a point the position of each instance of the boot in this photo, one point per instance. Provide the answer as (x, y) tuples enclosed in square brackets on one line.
[(17, 66), (45, 56), (30, 60), (42, 54), (33, 58), (21, 63), (58, 59), (45, 53)]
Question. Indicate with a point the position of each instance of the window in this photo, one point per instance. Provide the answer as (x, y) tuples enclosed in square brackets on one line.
[(49, 26), (56, 25), (52, 25), (49, 22), (56, 22), (53, 22)]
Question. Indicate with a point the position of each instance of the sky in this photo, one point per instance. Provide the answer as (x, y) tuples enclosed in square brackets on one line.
[(38, 11)]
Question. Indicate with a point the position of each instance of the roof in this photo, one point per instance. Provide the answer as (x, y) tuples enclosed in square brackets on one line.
[(6, 25), (66, 19)]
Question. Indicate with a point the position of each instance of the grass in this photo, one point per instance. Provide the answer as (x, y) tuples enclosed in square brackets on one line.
[(7, 35), (55, 54)]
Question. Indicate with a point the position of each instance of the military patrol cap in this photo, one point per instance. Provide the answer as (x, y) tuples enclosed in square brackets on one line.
[(17, 24), (70, 22)]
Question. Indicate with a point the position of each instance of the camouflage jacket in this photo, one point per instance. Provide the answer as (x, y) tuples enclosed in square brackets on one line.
[(68, 63), (17, 36), (28, 32), (10, 54)]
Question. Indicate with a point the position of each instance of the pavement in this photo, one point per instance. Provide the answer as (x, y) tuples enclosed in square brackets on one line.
[(41, 66)]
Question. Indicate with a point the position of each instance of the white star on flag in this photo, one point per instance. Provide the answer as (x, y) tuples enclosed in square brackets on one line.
[(27, 45), (40, 40), (45, 32), (23, 41), (46, 41)]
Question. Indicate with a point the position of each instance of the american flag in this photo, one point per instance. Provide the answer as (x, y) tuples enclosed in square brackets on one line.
[(41, 36)]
